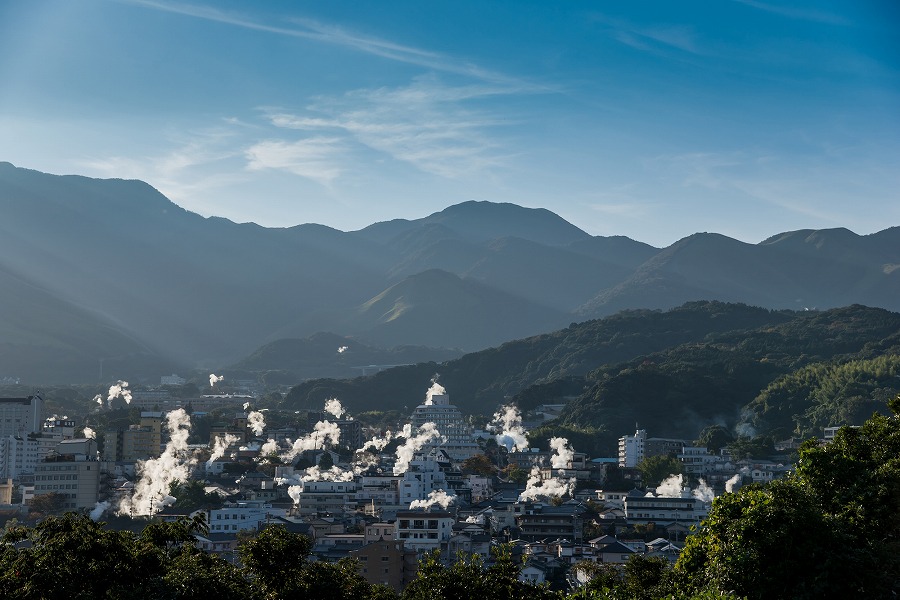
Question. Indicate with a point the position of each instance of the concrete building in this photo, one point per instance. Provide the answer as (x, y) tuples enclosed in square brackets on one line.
[(424, 531), (663, 511), (387, 562), (631, 448), (457, 435), (72, 471), (138, 442), (20, 416), (246, 516), (324, 497)]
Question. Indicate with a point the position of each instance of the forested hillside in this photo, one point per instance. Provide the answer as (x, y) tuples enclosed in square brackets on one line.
[(672, 373)]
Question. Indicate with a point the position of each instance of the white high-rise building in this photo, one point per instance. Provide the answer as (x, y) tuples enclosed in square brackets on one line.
[(456, 435), (631, 448)]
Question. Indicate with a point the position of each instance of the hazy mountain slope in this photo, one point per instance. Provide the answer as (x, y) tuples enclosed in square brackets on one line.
[(821, 269), (44, 339), (330, 355), (617, 250), (203, 287), (480, 380), (484, 221), (431, 304)]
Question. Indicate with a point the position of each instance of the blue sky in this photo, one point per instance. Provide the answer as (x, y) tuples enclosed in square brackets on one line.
[(653, 120)]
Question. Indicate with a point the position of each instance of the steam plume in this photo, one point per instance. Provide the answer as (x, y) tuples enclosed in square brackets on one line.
[(733, 483), (323, 433), (214, 379), (221, 445), (537, 487), (270, 447), (90, 433), (439, 497), (413, 444), (98, 510), (119, 390), (257, 422), (703, 492), (436, 389), (378, 443), (671, 487), (562, 453), (157, 474), (334, 407), (343, 349), (512, 433)]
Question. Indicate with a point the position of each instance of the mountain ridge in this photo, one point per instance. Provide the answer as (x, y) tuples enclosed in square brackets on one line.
[(206, 290)]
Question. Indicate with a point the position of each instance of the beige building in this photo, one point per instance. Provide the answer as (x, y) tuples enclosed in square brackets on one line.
[(72, 471), (387, 562), (138, 442)]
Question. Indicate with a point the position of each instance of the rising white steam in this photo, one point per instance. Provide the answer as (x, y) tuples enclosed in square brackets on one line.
[(703, 492), (562, 453), (343, 349), (732, 484), (221, 445), (512, 434), (325, 432), (377, 443), (98, 510), (257, 422), (119, 390), (270, 447), (671, 487), (214, 379), (333, 406), (413, 444), (436, 389), (157, 474), (436, 497), (98, 399), (537, 487), (335, 473), (90, 433)]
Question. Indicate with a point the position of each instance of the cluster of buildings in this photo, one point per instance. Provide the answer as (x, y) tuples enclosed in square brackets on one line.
[(386, 517)]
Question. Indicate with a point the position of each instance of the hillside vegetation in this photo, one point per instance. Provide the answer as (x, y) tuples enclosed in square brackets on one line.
[(672, 373)]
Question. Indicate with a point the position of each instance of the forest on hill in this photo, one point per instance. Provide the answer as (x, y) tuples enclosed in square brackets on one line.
[(672, 372)]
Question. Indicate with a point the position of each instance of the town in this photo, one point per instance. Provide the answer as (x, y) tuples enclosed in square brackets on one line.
[(385, 496)]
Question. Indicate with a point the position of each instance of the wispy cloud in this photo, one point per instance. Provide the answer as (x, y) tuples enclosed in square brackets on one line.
[(651, 38), (439, 129), (315, 158), (330, 34), (803, 14), (194, 161)]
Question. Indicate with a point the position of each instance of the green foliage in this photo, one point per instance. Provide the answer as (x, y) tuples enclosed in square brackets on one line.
[(515, 473), (53, 503), (656, 468), (759, 447), (714, 438), (191, 496), (479, 464), (468, 578), (826, 394), (832, 530), (488, 377)]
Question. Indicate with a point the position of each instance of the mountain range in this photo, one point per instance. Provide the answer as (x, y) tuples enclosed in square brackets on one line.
[(111, 274)]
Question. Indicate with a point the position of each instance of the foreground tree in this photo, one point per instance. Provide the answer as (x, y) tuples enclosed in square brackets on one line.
[(832, 530)]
